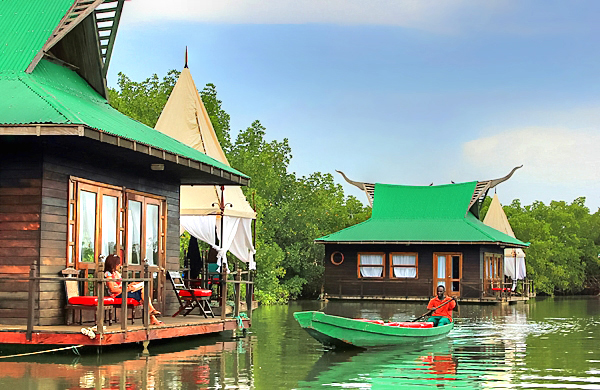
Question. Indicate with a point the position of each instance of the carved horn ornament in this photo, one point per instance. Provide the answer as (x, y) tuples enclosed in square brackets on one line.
[(494, 183)]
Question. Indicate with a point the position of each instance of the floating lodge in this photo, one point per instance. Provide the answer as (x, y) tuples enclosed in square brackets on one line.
[(420, 237), (79, 181)]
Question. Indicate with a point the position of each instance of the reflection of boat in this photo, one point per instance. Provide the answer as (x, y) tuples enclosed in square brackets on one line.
[(333, 331), (408, 366)]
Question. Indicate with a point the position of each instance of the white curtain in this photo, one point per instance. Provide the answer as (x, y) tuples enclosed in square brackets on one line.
[(202, 227), (410, 266), (134, 223), (510, 267), (371, 272), (109, 225), (87, 228), (521, 270), (230, 227), (441, 271), (242, 247)]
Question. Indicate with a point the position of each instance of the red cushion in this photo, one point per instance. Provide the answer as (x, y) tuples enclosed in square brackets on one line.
[(411, 324), (379, 322), (500, 289), (130, 302), (198, 292), (89, 301)]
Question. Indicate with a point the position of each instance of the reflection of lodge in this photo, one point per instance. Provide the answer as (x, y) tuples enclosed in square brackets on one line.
[(207, 366), (420, 237), (79, 180)]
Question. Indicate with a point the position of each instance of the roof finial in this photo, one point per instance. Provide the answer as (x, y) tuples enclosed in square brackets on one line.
[(186, 57)]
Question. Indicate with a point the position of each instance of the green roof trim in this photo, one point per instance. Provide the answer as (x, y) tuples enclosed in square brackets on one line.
[(57, 95), (26, 26), (422, 214)]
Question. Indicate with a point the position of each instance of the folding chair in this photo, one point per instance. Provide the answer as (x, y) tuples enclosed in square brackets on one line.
[(190, 298)]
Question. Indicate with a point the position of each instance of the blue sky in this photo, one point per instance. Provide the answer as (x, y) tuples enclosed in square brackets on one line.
[(404, 92)]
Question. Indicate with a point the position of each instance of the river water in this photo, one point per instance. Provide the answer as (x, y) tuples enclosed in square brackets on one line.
[(544, 344)]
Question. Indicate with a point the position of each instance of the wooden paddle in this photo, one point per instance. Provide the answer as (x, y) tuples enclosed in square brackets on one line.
[(432, 310)]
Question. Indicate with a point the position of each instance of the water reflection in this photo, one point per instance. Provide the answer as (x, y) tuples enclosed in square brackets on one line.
[(211, 364), (548, 343)]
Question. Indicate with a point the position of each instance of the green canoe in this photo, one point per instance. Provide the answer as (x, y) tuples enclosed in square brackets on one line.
[(340, 332)]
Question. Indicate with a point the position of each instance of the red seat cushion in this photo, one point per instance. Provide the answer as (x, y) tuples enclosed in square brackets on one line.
[(379, 322), (89, 301), (411, 324), (500, 289), (130, 302), (198, 292)]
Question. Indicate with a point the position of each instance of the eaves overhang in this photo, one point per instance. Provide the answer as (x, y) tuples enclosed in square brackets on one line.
[(498, 243), (185, 164)]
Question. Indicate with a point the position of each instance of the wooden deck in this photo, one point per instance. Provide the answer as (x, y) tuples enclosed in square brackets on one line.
[(71, 334)]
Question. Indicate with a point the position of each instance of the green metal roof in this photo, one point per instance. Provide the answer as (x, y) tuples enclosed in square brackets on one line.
[(57, 95), (422, 214), (25, 26)]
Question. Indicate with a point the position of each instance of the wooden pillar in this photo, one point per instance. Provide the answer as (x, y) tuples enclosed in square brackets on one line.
[(100, 307), (249, 293), (238, 290), (124, 298), (146, 296), (31, 303), (223, 291)]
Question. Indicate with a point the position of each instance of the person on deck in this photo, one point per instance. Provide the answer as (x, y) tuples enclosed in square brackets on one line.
[(443, 315), (112, 265)]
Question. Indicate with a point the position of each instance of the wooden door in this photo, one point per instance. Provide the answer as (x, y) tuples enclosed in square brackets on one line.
[(493, 271), (447, 272)]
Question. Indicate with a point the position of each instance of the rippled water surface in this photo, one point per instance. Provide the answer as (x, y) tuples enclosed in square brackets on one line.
[(545, 344)]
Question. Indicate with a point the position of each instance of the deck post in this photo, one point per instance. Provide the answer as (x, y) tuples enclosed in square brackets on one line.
[(100, 308), (238, 291), (146, 296), (223, 292), (249, 293), (124, 299), (31, 303)]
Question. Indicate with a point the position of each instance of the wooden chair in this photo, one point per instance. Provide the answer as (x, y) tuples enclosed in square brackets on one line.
[(131, 305), (78, 303), (190, 298)]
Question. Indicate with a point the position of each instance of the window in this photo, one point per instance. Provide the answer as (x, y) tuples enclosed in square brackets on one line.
[(370, 265), (105, 219), (403, 265)]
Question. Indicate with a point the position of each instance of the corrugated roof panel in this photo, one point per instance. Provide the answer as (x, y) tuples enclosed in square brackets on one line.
[(59, 95), (25, 26), (19, 102)]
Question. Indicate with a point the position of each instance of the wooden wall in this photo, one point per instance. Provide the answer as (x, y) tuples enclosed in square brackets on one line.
[(33, 218), (20, 209), (345, 278)]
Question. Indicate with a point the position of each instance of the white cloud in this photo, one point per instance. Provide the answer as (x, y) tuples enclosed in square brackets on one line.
[(430, 15), (549, 155)]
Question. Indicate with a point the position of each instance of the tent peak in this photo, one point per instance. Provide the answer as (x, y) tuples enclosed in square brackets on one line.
[(186, 58)]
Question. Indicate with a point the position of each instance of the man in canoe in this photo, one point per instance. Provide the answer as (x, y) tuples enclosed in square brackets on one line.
[(441, 315)]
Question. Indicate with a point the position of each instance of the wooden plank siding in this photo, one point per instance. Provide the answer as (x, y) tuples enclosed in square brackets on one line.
[(33, 219), (343, 280), (20, 221)]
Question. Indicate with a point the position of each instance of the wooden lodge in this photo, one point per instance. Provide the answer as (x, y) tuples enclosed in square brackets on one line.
[(420, 237), (78, 179)]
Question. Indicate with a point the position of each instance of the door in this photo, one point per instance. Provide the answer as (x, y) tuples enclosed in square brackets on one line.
[(447, 272), (493, 272)]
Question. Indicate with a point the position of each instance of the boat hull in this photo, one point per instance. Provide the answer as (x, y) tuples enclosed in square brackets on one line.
[(340, 332)]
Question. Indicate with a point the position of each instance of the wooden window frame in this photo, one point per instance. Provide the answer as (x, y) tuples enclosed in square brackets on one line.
[(392, 266), (447, 279), (76, 185), (371, 265), (495, 263)]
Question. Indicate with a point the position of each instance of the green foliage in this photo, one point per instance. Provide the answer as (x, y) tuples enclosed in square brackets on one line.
[(565, 244), (292, 211)]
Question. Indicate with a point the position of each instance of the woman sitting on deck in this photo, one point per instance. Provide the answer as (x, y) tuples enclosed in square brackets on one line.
[(112, 266)]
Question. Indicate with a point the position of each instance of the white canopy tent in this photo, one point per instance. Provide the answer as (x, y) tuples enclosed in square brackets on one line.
[(514, 258), (185, 118)]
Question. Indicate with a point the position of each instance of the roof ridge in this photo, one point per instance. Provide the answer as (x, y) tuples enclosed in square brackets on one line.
[(37, 92)]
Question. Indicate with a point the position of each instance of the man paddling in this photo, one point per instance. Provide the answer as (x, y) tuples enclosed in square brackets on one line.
[(441, 315)]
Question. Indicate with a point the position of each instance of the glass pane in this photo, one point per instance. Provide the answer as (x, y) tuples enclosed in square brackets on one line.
[(152, 234), (455, 267), (371, 272), (109, 225), (405, 272), (455, 286), (441, 271), (371, 259), (404, 259), (71, 211), (134, 228), (87, 226)]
